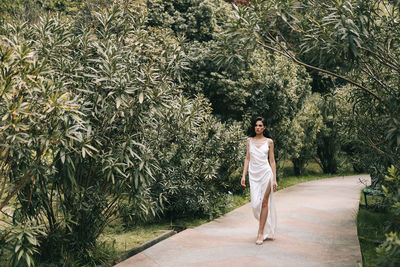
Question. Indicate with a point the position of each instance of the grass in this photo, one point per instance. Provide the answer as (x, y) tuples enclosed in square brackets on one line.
[(126, 240), (371, 233), (293, 180), (371, 226), (312, 172), (122, 239)]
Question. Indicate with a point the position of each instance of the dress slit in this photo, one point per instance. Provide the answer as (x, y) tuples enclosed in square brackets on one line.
[(265, 192), (268, 222)]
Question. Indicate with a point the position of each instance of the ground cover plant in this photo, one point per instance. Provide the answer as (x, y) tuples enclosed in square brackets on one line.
[(371, 233), (372, 225)]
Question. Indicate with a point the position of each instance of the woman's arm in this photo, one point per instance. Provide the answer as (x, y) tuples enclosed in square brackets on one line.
[(246, 164), (272, 162)]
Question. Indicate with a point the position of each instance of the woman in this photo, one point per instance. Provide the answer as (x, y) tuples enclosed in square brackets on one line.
[(260, 163)]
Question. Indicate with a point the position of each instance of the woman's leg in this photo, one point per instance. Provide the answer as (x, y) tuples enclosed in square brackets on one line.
[(264, 214)]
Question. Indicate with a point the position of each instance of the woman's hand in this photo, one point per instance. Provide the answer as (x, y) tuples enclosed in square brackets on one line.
[(243, 181), (275, 186)]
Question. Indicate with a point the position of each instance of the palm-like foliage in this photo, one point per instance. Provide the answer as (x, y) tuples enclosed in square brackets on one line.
[(93, 123), (355, 43)]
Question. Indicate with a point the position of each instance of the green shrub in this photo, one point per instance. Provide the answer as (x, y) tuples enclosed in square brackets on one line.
[(22, 241), (389, 251), (391, 187), (93, 123), (193, 18), (197, 158)]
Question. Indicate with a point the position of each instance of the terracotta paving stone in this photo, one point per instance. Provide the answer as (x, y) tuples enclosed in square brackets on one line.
[(316, 227), (301, 247), (313, 214), (322, 253), (195, 239), (211, 254), (231, 223), (281, 257), (321, 229), (138, 260), (244, 261)]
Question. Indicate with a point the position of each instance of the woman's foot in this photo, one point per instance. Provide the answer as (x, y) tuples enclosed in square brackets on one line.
[(259, 240)]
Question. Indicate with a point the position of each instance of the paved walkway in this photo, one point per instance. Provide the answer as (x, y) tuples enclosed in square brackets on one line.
[(316, 227)]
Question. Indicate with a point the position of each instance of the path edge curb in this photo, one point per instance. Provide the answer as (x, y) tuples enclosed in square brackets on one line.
[(144, 246)]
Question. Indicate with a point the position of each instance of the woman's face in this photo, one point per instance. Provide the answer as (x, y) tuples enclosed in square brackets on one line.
[(259, 128)]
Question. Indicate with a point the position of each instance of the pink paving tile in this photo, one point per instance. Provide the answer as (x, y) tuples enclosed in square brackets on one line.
[(307, 249), (237, 262), (191, 238), (321, 229), (138, 260), (316, 251), (228, 222), (309, 211)]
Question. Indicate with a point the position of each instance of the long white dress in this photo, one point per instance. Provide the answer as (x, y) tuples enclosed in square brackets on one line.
[(260, 174)]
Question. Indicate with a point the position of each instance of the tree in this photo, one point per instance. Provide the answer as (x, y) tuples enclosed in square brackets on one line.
[(196, 19), (75, 103), (304, 130), (354, 41), (80, 110), (328, 139)]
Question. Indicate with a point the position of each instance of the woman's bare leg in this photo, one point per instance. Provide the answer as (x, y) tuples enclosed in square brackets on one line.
[(263, 215)]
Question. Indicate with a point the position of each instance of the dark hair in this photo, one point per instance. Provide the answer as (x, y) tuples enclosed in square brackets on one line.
[(253, 125)]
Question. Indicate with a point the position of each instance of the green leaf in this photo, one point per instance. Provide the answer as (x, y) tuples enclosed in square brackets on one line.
[(32, 240), (17, 247), (21, 252), (83, 152), (136, 181), (28, 260), (141, 96), (141, 165)]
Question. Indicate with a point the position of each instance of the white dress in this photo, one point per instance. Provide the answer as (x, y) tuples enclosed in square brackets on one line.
[(260, 174)]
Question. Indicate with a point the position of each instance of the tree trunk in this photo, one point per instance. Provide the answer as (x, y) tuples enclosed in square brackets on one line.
[(298, 166)]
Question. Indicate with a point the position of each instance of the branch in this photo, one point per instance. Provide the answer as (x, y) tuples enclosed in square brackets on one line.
[(372, 145), (24, 181), (369, 72), (30, 199), (383, 60), (7, 215), (3, 185), (318, 161), (288, 55), (4, 169)]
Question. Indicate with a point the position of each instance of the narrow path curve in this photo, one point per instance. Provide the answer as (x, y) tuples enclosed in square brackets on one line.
[(316, 227)]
